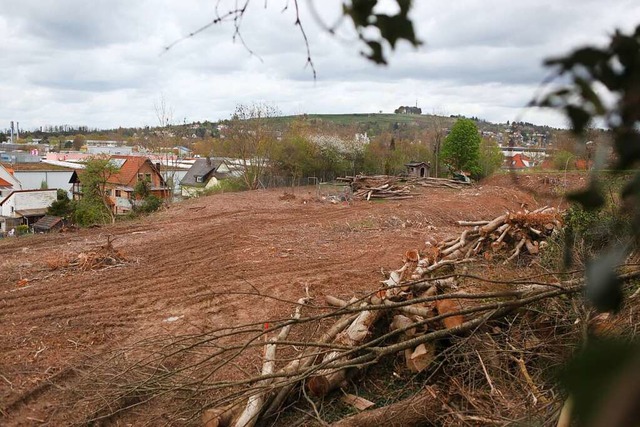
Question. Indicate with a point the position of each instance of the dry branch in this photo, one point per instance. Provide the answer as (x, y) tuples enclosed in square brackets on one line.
[(256, 402)]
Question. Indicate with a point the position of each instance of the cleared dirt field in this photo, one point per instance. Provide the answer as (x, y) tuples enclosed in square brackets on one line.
[(192, 267)]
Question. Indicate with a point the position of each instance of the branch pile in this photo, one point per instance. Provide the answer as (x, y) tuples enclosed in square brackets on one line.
[(412, 315), (378, 187), (418, 312), (507, 234), (393, 187), (104, 256)]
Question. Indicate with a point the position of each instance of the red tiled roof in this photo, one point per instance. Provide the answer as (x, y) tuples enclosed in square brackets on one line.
[(518, 161), (4, 183), (582, 164), (129, 169)]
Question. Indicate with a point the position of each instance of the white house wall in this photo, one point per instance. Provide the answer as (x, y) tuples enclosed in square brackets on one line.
[(188, 191), (28, 200), (32, 180)]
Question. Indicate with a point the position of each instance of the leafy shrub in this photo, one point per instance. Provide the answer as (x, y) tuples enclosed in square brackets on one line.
[(151, 203), (586, 233), (62, 206), (229, 185), (87, 212), (22, 229)]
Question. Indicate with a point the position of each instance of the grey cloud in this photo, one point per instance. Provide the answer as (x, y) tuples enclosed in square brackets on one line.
[(76, 24), (101, 63)]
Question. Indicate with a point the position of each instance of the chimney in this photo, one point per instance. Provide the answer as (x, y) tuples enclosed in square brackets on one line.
[(208, 161)]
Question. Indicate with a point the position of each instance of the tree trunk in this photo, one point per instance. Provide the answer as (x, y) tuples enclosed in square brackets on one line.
[(421, 409)]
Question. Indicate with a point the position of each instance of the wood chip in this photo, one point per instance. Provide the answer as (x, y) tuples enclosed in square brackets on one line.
[(357, 402)]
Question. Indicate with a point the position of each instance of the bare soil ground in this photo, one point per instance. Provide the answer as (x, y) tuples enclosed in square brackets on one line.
[(192, 266)]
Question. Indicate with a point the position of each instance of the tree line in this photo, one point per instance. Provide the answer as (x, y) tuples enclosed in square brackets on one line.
[(304, 149)]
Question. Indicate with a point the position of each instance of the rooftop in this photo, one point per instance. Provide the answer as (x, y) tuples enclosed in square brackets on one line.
[(36, 167)]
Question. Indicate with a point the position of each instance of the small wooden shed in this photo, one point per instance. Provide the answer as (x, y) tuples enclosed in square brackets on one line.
[(418, 169), (47, 224)]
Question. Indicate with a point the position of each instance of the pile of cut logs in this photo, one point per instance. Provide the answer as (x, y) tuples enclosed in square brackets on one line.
[(393, 187), (423, 310), (509, 232)]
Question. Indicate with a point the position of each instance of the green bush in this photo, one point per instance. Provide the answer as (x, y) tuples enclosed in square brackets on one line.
[(151, 203), (87, 212), (22, 229), (585, 234), (564, 160), (229, 185), (62, 206)]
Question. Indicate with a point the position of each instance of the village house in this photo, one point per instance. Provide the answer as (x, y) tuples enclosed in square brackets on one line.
[(204, 174), (8, 182), (182, 151), (120, 186), (518, 161), (24, 207)]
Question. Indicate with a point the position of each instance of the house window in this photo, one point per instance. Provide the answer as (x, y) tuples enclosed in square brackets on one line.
[(198, 179), (140, 177), (147, 177), (118, 193)]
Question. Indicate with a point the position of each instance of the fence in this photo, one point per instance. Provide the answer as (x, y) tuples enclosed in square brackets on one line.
[(320, 187)]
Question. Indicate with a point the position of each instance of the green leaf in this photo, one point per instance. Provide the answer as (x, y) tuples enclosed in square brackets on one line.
[(393, 28), (404, 5), (588, 94), (627, 144), (360, 11), (632, 188)]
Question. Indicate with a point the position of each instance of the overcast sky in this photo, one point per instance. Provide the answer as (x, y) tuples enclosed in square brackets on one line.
[(100, 63)]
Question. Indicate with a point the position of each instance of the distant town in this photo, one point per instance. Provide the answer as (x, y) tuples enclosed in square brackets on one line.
[(253, 151)]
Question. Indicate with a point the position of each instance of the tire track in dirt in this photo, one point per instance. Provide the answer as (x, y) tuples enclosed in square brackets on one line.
[(188, 261)]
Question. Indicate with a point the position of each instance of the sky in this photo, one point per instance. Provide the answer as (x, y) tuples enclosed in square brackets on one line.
[(103, 63)]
